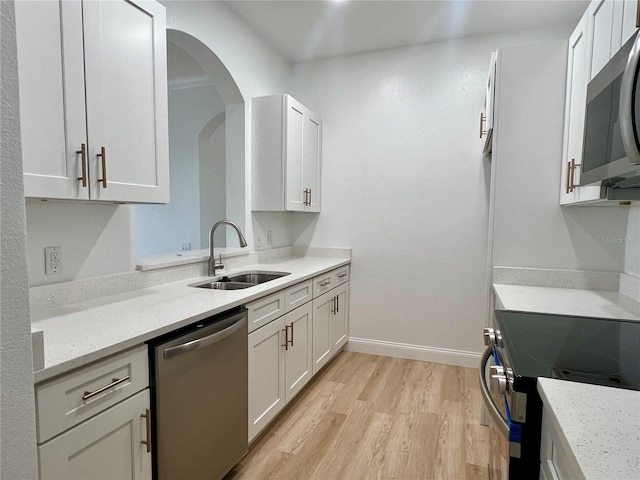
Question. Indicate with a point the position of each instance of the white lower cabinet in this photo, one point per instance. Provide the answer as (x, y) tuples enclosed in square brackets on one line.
[(297, 366), (95, 422), (282, 353), (107, 446), (266, 375), (279, 365), (330, 324)]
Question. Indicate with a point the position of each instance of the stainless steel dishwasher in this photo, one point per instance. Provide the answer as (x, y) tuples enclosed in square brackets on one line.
[(199, 384)]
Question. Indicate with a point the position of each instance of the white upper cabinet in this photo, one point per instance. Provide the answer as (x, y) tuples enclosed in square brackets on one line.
[(627, 10), (575, 104), (286, 145), (611, 23), (93, 100), (488, 109), (601, 28)]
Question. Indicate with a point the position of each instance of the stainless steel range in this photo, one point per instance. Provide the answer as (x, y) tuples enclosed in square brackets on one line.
[(523, 346)]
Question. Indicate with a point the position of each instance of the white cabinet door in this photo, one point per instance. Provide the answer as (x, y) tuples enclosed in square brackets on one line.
[(330, 324), (52, 105), (266, 375), (93, 95), (125, 64), (107, 446), (576, 95), (322, 311), (340, 317), (624, 23), (487, 115), (311, 164), (298, 362), (303, 143), (601, 21)]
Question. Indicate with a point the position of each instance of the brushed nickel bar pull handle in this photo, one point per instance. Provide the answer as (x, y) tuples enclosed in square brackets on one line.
[(333, 305), (291, 335), (568, 189), (147, 416), (309, 204), (103, 155), (342, 275), (337, 303), (83, 159), (572, 171), (325, 283), (482, 120), (114, 382), (286, 337)]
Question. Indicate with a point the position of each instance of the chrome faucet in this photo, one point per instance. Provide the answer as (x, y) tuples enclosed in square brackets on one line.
[(213, 265)]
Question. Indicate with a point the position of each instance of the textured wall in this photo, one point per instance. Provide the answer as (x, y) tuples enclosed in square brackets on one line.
[(17, 411), (405, 185)]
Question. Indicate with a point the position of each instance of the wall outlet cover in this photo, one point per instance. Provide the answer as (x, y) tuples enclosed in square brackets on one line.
[(52, 260)]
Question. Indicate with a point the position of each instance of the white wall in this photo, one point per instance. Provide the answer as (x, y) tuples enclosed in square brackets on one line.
[(258, 70), (163, 228), (17, 409), (404, 184), (530, 228), (213, 178)]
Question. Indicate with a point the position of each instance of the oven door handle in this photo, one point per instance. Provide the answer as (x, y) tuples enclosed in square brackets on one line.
[(500, 422)]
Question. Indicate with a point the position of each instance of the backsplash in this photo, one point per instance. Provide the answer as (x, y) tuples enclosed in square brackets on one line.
[(67, 293), (539, 277)]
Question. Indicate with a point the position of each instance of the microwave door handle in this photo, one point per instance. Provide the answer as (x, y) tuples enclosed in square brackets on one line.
[(500, 422), (626, 107)]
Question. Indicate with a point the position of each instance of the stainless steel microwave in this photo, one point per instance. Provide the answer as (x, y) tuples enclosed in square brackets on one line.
[(611, 148)]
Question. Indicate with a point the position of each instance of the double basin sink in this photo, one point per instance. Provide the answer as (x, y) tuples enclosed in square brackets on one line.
[(239, 281)]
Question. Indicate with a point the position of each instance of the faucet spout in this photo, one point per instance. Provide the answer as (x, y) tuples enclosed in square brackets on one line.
[(213, 266)]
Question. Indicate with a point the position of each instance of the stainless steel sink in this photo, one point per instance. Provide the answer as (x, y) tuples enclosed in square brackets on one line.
[(256, 277), (239, 281), (225, 285)]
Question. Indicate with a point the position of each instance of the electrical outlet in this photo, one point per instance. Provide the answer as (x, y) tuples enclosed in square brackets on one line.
[(52, 260), (258, 239), (186, 246), (269, 237)]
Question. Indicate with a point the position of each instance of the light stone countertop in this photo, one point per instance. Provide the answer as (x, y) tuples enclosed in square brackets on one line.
[(600, 424), (81, 333), (567, 301)]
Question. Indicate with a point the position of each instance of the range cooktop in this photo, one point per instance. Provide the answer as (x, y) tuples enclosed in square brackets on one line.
[(584, 349)]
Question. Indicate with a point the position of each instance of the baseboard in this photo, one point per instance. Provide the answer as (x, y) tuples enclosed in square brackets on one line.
[(414, 352)]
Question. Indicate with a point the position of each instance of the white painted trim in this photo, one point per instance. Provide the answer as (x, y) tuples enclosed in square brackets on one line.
[(447, 356)]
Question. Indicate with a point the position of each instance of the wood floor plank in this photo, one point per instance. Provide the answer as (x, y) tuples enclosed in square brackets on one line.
[(367, 417)]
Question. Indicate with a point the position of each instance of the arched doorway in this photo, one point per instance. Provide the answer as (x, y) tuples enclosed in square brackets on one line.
[(207, 153)]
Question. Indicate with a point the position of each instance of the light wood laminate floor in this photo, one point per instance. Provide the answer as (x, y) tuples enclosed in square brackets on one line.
[(374, 417)]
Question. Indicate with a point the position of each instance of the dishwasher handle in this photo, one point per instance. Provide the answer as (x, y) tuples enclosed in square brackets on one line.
[(208, 340)]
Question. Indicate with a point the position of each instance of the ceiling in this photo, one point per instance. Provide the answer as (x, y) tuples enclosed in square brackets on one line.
[(305, 30)]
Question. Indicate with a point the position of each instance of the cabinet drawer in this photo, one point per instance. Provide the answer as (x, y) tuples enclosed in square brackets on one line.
[(340, 275), (298, 295), (264, 310), (68, 400), (323, 283)]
